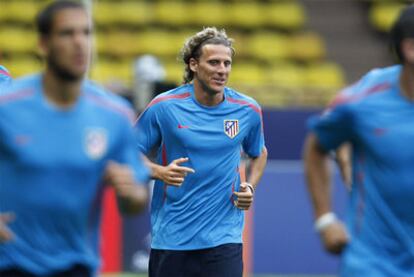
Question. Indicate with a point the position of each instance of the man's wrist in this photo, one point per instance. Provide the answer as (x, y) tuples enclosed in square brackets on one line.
[(324, 221), (251, 187)]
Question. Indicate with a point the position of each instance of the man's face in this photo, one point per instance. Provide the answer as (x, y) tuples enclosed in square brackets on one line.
[(213, 67), (68, 46)]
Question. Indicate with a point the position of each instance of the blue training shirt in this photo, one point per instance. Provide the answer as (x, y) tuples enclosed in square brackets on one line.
[(52, 162), (378, 120), (199, 214)]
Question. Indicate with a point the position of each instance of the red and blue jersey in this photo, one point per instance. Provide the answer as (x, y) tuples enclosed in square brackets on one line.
[(52, 162), (377, 119), (200, 213)]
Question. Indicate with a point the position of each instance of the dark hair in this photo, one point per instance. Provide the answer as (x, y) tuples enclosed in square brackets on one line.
[(44, 20), (402, 28), (193, 45)]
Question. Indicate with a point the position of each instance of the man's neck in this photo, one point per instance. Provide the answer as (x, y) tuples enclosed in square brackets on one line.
[(207, 98), (62, 93), (407, 81)]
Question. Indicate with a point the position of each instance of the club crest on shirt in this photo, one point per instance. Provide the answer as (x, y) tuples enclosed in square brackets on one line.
[(231, 127), (95, 142)]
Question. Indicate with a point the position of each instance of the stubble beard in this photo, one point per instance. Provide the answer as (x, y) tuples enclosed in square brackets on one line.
[(63, 73), (208, 89)]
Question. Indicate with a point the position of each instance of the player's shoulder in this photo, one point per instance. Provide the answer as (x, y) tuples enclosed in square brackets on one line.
[(20, 89), (374, 83), (380, 76), (93, 89), (238, 98), (106, 99), (5, 76), (171, 96)]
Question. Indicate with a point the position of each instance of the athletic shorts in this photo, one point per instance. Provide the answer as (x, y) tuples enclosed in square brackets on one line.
[(221, 261), (74, 271)]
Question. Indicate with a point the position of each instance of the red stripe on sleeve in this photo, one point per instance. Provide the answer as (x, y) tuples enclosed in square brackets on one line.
[(343, 99), (245, 103), (16, 95), (4, 72), (167, 97)]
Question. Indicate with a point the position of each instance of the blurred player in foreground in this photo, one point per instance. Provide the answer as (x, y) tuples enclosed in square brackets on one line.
[(5, 76), (375, 116), (62, 138), (199, 130)]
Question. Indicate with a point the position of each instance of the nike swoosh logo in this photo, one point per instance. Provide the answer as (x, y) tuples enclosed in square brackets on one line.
[(182, 126)]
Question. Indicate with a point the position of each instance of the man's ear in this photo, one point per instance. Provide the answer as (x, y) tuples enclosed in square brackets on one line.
[(193, 64), (43, 47)]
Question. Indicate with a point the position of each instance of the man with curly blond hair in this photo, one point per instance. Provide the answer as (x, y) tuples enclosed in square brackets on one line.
[(199, 130)]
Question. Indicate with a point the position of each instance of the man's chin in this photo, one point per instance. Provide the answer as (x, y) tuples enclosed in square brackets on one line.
[(217, 89), (75, 75), (68, 73)]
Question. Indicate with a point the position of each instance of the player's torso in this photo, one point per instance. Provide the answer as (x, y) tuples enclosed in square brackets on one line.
[(46, 149), (384, 136), (385, 128), (212, 139), (210, 136), (204, 129)]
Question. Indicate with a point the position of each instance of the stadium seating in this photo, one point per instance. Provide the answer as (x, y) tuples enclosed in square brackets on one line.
[(22, 65), (307, 46), (173, 13), (277, 56), (210, 13), (17, 40), (253, 73), (382, 14), (288, 15), (287, 74), (106, 70), (246, 15), (268, 46), (19, 11), (134, 13)]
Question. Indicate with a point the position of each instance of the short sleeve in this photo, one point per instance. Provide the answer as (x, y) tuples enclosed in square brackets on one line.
[(254, 142), (333, 126), (148, 129)]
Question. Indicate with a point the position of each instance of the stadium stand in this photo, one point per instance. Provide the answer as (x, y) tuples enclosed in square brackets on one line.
[(383, 13), (277, 56)]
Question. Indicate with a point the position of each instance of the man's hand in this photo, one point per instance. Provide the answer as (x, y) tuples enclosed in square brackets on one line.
[(132, 197), (120, 177), (244, 196), (174, 174), (334, 237), (5, 233)]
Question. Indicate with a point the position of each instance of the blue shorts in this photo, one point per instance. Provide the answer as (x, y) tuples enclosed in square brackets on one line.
[(221, 261)]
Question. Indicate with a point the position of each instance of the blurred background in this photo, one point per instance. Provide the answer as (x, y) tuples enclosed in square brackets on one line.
[(292, 56)]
